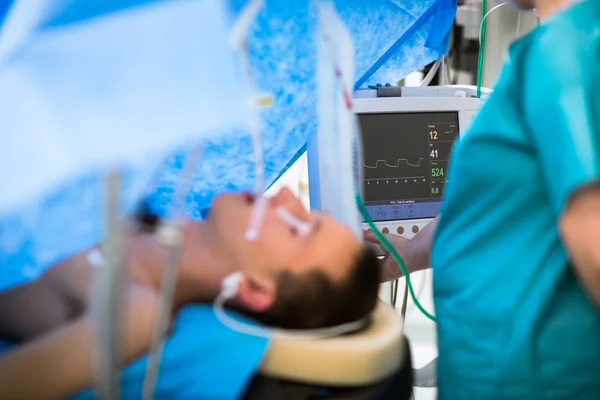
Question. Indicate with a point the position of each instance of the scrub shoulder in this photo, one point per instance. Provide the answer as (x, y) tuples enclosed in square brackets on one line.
[(566, 48)]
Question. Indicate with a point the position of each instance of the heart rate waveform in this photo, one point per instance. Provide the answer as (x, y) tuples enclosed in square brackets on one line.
[(398, 162), (392, 180), (402, 168)]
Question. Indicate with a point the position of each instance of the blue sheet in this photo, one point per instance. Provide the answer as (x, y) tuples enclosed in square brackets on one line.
[(202, 360), (283, 59), (283, 56), (4, 5), (122, 88)]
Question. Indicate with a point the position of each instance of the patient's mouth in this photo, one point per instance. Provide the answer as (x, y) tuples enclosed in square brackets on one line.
[(248, 197)]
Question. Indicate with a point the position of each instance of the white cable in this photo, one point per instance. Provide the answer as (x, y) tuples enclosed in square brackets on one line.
[(226, 320), (239, 39), (519, 24), (241, 27), (252, 330), (448, 77), (485, 18), (429, 77), (425, 277), (229, 290)]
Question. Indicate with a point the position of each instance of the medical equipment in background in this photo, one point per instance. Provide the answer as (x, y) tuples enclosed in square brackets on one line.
[(501, 27), (407, 136), (406, 142), (478, 46)]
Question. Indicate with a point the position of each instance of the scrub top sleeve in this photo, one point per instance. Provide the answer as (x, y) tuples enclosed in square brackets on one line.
[(566, 135)]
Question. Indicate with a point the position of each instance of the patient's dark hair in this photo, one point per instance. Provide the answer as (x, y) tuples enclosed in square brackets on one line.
[(312, 300)]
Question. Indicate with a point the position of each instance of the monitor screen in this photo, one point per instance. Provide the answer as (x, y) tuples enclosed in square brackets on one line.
[(405, 157)]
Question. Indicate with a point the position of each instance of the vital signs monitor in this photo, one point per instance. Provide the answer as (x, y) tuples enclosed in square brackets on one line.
[(407, 142)]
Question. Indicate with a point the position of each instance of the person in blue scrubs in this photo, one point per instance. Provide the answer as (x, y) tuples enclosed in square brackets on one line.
[(516, 250)]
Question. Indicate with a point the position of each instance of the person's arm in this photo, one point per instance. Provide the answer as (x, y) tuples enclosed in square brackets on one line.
[(32, 309), (61, 294), (580, 230), (414, 252), (57, 297), (60, 363), (563, 127)]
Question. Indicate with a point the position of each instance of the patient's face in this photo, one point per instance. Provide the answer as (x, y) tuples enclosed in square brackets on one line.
[(329, 246)]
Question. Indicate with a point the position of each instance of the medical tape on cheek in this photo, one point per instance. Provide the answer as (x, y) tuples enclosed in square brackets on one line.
[(302, 227)]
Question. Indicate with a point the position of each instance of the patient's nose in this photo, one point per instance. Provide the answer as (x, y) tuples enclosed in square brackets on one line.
[(286, 198)]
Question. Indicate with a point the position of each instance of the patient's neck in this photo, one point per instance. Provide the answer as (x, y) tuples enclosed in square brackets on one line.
[(202, 267), (200, 270)]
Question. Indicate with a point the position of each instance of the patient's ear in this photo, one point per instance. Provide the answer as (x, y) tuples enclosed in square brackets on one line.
[(257, 295)]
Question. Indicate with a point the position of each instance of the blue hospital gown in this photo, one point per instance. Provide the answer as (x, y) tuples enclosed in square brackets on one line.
[(202, 359), (513, 320)]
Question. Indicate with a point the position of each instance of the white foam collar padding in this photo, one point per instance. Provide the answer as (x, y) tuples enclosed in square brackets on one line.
[(360, 359)]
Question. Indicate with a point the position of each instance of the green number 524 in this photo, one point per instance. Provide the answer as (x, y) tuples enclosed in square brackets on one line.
[(437, 172)]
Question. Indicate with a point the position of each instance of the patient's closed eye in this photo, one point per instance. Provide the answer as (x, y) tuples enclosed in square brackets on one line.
[(295, 224)]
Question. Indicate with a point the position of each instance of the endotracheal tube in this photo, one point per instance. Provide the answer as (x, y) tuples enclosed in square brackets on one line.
[(239, 40), (347, 98)]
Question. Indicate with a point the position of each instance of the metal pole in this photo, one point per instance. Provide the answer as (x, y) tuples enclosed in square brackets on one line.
[(108, 293), (170, 235)]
